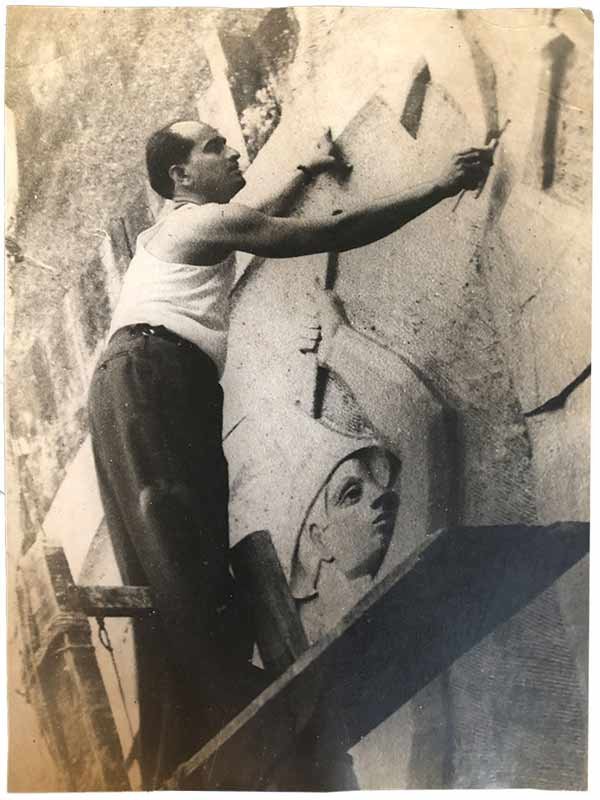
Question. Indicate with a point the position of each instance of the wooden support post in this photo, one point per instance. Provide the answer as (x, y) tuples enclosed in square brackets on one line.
[(62, 676), (280, 636)]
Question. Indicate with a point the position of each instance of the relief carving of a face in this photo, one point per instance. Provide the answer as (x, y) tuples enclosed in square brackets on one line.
[(351, 522)]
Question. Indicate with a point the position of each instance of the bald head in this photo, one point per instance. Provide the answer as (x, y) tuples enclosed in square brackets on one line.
[(172, 145), (194, 130)]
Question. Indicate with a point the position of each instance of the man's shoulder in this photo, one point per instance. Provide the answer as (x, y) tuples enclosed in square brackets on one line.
[(202, 231), (198, 218), (189, 234), (188, 222), (193, 214)]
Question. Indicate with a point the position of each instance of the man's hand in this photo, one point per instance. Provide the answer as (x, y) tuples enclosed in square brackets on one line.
[(467, 170), (322, 327), (326, 157)]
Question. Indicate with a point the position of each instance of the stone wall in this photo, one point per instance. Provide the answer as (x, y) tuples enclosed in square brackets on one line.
[(491, 300)]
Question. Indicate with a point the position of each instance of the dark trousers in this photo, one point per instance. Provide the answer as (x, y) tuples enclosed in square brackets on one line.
[(155, 409)]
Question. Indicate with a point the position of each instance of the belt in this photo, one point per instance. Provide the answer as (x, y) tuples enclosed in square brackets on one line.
[(144, 329), (118, 342), (159, 331)]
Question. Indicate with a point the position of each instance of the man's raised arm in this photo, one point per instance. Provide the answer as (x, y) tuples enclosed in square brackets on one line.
[(324, 158), (236, 227)]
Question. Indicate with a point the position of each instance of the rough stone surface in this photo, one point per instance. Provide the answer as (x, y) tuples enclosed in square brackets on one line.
[(561, 442)]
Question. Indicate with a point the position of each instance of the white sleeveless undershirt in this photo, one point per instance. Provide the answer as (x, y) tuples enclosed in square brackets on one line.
[(191, 301)]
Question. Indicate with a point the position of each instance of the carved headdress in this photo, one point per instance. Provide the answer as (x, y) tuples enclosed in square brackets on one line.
[(279, 460)]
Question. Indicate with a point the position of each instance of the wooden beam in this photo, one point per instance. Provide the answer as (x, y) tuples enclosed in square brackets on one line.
[(280, 636), (457, 588), (111, 601)]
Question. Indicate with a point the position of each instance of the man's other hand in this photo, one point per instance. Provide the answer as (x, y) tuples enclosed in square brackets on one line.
[(467, 169), (326, 156)]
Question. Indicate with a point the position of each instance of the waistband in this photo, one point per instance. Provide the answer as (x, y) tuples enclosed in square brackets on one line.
[(129, 332)]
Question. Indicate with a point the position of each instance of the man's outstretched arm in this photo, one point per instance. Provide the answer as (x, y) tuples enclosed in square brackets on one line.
[(236, 227)]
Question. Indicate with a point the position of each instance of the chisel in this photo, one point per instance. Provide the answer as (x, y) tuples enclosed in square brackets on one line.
[(492, 138)]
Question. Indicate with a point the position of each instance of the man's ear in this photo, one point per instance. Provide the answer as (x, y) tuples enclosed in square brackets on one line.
[(177, 173)]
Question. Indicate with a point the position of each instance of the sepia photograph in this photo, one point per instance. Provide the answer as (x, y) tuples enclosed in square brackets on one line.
[(298, 397)]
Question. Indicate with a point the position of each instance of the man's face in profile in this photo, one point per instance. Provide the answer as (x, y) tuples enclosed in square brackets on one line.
[(361, 505), (212, 167)]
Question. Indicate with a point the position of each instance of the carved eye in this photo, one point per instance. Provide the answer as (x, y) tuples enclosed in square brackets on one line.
[(350, 494)]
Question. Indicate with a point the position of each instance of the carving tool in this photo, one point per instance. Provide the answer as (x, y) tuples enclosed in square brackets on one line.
[(492, 138)]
